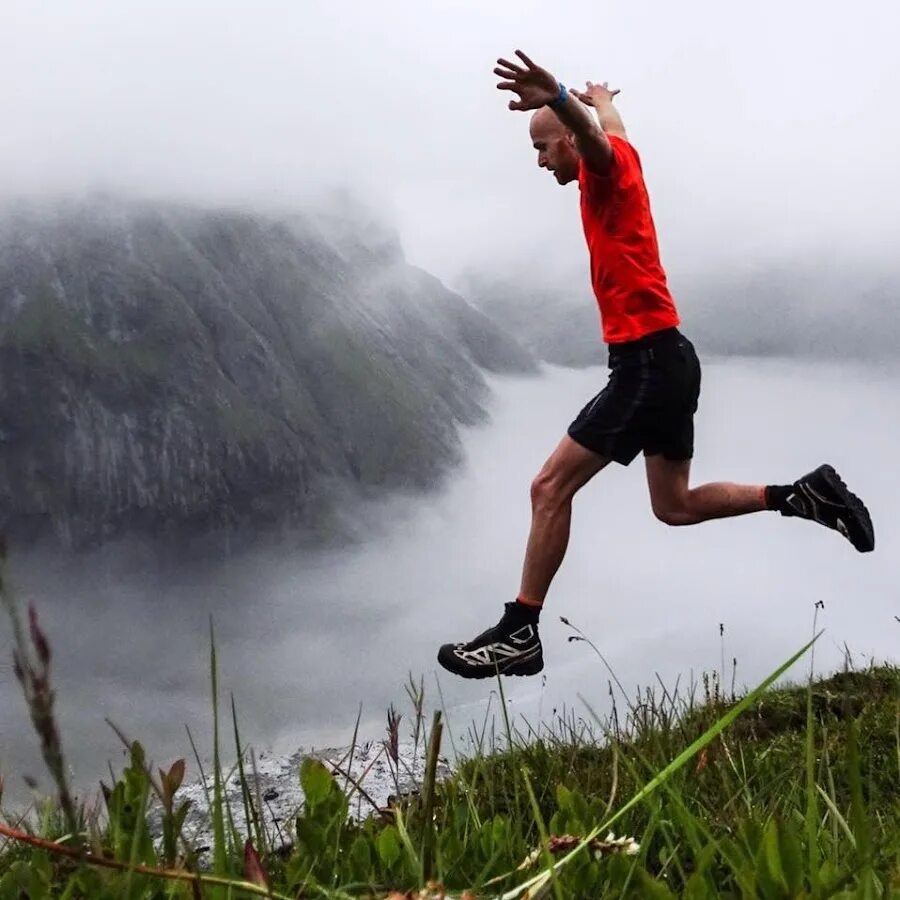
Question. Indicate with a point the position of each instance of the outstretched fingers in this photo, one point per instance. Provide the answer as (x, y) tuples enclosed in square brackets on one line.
[(514, 68), (513, 74), (535, 86), (525, 59), (509, 69), (511, 77)]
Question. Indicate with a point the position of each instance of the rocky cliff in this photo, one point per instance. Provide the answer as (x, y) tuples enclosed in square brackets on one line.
[(172, 371)]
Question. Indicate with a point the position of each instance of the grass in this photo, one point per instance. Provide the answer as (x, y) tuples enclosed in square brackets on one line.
[(787, 791)]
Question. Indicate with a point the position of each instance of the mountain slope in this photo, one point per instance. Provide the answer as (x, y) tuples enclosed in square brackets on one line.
[(170, 370)]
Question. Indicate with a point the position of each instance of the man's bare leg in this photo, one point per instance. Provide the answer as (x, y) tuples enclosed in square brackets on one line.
[(568, 469), (676, 503), (513, 646), (820, 496)]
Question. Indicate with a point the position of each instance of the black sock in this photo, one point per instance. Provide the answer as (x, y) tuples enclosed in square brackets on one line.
[(526, 613), (776, 496)]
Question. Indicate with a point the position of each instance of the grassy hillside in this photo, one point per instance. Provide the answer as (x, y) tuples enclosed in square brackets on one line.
[(788, 791)]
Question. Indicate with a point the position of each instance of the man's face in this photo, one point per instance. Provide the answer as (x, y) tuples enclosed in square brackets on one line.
[(555, 146)]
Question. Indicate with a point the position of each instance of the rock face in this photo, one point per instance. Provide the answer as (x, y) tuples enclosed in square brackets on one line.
[(171, 371)]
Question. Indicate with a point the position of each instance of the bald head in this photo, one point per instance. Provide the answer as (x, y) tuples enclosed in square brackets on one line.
[(546, 124), (555, 145)]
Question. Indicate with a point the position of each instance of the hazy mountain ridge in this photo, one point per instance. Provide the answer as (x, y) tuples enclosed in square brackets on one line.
[(825, 308), (815, 308), (168, 369), (558, 324)]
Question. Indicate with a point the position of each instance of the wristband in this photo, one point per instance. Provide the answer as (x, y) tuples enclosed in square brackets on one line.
[(561, 98)]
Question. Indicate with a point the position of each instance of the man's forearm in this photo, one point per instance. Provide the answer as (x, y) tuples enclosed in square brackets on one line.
[(589, 139), (609, 118), (575, 117)]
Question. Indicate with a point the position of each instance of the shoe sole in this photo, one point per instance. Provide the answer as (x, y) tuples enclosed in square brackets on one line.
[(526, 667), (857, 509)]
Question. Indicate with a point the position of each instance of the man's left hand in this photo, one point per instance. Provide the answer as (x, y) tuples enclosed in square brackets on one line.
[(535, 86), (595, 94)]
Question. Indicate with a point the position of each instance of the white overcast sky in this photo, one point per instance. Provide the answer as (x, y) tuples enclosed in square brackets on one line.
[(762, 126)]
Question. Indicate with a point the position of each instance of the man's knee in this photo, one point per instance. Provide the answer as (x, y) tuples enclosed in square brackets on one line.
[(568, 469), (672, 514), (547, 491)]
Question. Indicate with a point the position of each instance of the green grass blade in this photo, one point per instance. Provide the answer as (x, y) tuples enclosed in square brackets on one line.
[(709, 735), (812, 806), (897, 730), (859, 820), (510, 746), (838, 818), (414, 860), (542, 829), (251, 815), (200, 769), (220, 850)]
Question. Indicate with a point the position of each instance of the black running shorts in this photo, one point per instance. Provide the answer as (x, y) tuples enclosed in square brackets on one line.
[(648, 404)]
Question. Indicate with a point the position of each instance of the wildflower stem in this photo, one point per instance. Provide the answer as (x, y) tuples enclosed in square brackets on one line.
[(168, 874)]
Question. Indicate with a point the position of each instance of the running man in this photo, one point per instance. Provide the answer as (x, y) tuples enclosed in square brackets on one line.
[(649, 402)]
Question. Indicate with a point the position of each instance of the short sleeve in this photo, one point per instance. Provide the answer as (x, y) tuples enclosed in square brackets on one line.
[(625, 169), (625, 157)]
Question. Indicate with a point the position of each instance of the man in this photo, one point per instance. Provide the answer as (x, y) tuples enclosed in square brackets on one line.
[(649, 402)]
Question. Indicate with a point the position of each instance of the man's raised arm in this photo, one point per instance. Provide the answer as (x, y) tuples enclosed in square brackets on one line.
[(537, 88)]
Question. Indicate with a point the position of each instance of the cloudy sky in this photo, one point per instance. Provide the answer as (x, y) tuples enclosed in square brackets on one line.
[(761, 125)]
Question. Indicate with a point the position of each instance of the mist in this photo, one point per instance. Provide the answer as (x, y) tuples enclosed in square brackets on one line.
[(761, 128), (769, 142)]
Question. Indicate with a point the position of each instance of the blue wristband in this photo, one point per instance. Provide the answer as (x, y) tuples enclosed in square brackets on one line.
[(563, 96)]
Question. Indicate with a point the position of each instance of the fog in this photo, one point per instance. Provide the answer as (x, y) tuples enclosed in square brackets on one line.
[(304, 638), (768, 133), (761, 127)]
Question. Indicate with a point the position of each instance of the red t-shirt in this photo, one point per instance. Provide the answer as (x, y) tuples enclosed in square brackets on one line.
[(627, 275)]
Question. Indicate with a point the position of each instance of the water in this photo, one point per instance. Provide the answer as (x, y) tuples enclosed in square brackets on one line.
[(303, 640)]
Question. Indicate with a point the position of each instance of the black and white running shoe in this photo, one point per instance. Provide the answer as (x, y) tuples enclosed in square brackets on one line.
[(824, 498), (511, 647)]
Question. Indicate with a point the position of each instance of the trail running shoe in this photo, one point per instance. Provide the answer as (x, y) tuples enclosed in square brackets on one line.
[(824, 498), (511, 647)]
